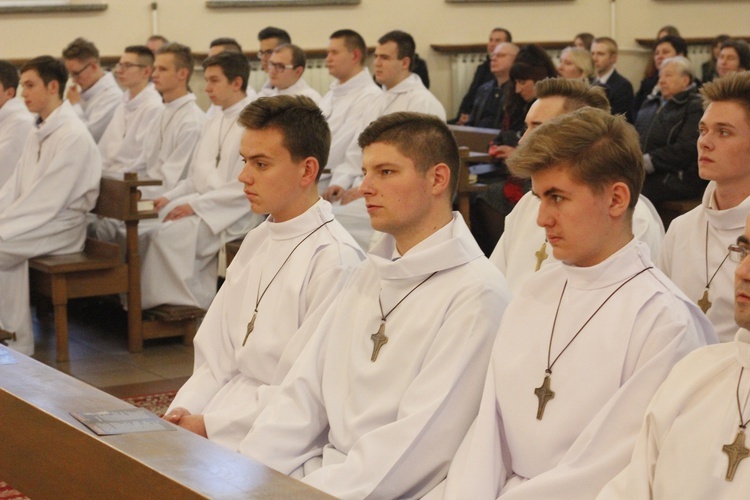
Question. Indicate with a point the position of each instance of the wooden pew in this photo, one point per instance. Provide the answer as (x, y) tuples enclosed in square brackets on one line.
[(99, 269), (49, 454), (232, 248), (477, 139), (465, 187)]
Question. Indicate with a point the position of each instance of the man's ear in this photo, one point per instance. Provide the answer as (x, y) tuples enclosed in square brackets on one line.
[(183, 74), (310, 171), (53, 87), (620, 199), (441, 178), (406, 63)]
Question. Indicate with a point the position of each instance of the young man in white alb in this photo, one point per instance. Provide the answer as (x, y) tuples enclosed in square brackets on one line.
[(402, 90), (350, 97), (94, 93), (694, 254), (377, 403), (206, 209), (123, 140), (523, 248), (16, 122), (586, 342), (285, 275), (43, 205), (693, 441)]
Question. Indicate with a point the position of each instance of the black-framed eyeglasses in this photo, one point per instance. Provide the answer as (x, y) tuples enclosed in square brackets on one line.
[(127, 65), (279, 67), (76, 74), (737, 253)]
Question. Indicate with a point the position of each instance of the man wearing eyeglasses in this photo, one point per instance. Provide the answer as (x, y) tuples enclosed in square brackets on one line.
[(692, 443), (170, 138), (269, 38), (285, 68), (94, 93), (694, 253), (140, 104)]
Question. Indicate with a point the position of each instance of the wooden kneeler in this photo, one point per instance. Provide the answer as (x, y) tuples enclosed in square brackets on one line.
[(98, 270), (172, 321)]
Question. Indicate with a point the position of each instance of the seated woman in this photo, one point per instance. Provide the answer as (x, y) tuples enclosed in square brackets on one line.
[(667, 124), (734, 55), (665, 47), (708, 68), (583, 41), (489, 209), (576, 64)]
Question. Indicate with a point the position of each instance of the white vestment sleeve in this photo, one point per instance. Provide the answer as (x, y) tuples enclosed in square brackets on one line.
[(212, 367), (328, 275), (291, 428), (175, 165), (429, 425), (29, 210), (605, 446), (221, 207)]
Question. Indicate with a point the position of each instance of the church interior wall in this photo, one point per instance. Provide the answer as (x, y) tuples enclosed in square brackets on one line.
[(429, 21)]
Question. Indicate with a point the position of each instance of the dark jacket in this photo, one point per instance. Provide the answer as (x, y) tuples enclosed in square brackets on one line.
[(488, 105), (481, 75), (669, 132), (620, 94)]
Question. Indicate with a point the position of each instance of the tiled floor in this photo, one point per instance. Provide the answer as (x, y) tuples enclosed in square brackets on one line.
[(99, 352)]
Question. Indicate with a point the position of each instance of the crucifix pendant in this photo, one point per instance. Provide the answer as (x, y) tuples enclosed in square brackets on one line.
[(544, 393), (736, 453), (250, 327), (379, 340), (541, 256), (218, 159), (704, 303)]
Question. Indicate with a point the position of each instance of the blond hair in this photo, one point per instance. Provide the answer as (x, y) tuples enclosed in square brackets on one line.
[(597, 148)]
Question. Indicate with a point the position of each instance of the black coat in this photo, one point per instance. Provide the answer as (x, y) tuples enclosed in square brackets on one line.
[(620, 94), (669, 133), (481, 75)]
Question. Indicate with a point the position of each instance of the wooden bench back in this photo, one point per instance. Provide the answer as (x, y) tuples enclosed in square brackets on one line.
[(118, 198), (475, 138)]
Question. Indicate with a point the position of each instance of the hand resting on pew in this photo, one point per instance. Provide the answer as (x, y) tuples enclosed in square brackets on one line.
[(183, 418)]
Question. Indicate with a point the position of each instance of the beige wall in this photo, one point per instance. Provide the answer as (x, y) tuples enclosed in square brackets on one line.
[(429, 21)]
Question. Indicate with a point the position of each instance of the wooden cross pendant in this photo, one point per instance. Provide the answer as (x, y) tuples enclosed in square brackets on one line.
[(379, 340), (704, 303), (250, 327), (736, 453), (541, 256), (218, 159), (544, 393)]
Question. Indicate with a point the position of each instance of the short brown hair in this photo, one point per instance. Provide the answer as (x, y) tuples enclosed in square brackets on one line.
[(352, 41), (732, 87), (298, 118), (424, 139), (183, 56), (596, 147), (81, 50), (298, 55), (576, 93), (609, 42)]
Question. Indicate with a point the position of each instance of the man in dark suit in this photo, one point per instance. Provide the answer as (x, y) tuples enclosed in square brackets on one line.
[(481, 76), (619, 89)]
